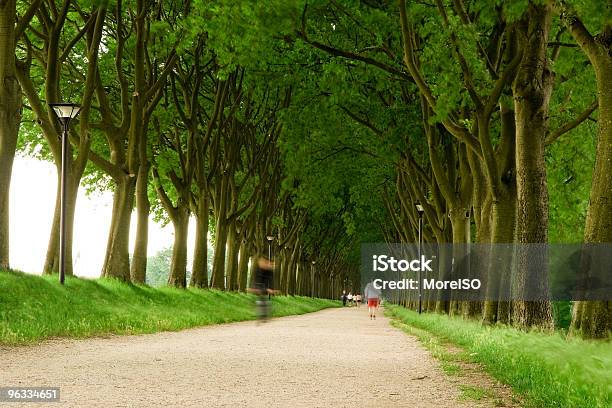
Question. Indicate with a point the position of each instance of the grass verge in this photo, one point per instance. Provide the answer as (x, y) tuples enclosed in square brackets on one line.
[(33, 308), (456, 362), (548, 370)]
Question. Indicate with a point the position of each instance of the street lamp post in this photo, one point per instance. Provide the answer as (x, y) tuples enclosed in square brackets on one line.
[(420, 210), (312, 278), (65, 112), (270, 238)]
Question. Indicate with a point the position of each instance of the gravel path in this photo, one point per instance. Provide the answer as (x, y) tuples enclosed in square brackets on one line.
[(332, 358)]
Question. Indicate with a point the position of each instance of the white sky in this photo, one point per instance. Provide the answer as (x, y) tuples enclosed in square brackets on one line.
[(32, 201)]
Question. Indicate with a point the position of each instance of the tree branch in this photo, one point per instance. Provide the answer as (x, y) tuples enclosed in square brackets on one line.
[(580, 33), (24, 21), (552, 136), (347, 54)]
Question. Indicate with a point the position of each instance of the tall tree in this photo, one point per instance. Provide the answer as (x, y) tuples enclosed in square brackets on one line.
[(50, 51), (594, 318), (127, 98), (10, 118), (532, 90)]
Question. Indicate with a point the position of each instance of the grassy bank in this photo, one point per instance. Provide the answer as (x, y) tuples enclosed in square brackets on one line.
[(548, 370), (33, 308)]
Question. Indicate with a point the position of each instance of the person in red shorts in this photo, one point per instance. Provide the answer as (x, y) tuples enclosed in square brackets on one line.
[(373, 296)]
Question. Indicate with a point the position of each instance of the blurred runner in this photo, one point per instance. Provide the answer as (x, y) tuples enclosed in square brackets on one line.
[(263, 282), (373, 296)]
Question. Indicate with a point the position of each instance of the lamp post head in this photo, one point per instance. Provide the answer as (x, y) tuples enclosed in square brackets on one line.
[(270, 238), (65, 112), (314, 262), (419, 208)]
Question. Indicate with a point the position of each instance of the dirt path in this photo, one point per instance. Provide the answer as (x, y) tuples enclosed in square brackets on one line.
[(299, 361)]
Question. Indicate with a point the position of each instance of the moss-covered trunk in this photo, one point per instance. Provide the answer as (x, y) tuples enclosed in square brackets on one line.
[(460, 224), (503, 215), (499, 218), (531, 91), (593, 318)]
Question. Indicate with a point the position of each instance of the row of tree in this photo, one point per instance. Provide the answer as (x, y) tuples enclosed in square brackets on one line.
[(171, 131), (480, 92), (321, 124)]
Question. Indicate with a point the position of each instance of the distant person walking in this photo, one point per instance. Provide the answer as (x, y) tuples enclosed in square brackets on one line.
[(373, 296), (357, 298), (350, 299), (344, 298)]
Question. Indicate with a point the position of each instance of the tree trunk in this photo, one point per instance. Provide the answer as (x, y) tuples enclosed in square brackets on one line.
[(284, 270), (199, 273), (481, 210), (593, 319), (278, 256), (303, 274), (531, 90), (293, 269), (178, 266), (10, 119), (52, 258), (287, 270), (503, 214), (218, 275), (231, 270), (117, 260), (253, 264), (501, 219), (460, 224), (445, 256), (139, 258), (243, 265), (307, 279), (300, 279), (313, 279)]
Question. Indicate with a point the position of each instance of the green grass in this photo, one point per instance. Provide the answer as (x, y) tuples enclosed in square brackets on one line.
[(33, 308), (548, 370), (450, 368), (476, 393)]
